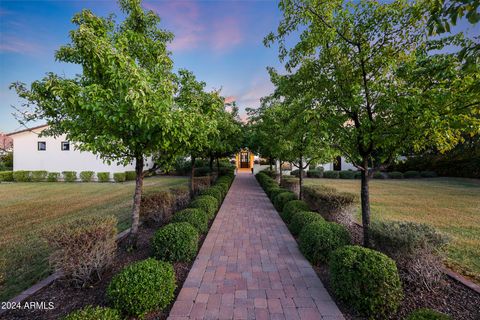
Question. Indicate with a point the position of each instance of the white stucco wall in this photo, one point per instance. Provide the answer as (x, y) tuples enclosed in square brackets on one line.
[(26, 156)]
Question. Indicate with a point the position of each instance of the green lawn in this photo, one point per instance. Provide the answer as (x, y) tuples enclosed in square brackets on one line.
[(28, 208), (452, 205)]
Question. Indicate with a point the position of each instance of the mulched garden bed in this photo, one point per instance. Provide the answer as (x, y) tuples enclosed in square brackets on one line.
[(450, 297), (67, 299)]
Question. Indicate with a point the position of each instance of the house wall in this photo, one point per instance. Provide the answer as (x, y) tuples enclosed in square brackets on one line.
[(26, 156)]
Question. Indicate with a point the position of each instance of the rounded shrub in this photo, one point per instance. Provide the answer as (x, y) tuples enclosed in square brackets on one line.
[(330, 174), (367, 280), (395, 175), (86, 176), (142, 287), (119, 177), (291, 208), (411, 174), (130, 175), (103, 176), (223, 186), (196, 217), (6, 176), (282, 198), (378, 175), (21, 176), (53, 176), (347, 174), (39, 175), (69, 176), (94, 313), (215, 192), (315, 173), (303, 218), (428, 174), (427, 314), (318, 240), (175, 242), (207, 203)]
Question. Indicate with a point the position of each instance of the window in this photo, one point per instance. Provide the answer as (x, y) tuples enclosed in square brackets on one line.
[(41, 146), (65, 146)]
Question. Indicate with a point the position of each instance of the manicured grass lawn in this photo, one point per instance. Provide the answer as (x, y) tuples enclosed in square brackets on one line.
[(452, 205), (28, 208)]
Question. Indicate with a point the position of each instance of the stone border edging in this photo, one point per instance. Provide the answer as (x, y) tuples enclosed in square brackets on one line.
[(48, 280), (454, 275)]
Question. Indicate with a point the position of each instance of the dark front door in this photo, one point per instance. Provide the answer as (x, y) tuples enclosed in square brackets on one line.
[(244, 160), (337, 165)]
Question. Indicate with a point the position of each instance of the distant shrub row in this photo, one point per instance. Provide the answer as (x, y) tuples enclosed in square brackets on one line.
[(366, 279), (330, 174), (67, 176), (150, 284)]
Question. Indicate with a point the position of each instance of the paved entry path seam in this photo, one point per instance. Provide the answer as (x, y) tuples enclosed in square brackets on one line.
[(249, 266)]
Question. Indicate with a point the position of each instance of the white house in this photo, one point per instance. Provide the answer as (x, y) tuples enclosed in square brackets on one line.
[(32, 152)]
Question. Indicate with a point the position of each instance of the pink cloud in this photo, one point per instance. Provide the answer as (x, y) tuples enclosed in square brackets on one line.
[(194, 28), (13, 44), (230, 99)]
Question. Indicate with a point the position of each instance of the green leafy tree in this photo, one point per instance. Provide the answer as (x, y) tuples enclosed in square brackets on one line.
[(121, 107), (202, 109), (229, 137), (369, 71)]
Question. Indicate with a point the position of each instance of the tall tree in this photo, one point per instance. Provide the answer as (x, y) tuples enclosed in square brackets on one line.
[(121, 106), (202, 109), (364, 65)]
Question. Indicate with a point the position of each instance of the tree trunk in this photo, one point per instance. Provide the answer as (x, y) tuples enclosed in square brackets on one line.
[(137, 200), (218, 167), (270, 162), (364, 194), (192, 177), (211, 162), (300, 171)]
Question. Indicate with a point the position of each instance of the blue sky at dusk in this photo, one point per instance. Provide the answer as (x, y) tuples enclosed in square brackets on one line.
[(220, 41)]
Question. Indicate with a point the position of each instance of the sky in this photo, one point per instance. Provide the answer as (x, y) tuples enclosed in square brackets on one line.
[(220, 41)]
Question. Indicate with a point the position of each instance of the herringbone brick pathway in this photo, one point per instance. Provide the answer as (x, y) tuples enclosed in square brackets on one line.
[(249, 266)]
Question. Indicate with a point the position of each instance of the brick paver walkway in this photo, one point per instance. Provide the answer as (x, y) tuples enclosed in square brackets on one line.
[(249, 266)]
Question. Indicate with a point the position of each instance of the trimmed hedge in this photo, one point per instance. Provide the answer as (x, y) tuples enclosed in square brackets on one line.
[(53, 176), (347, 174), (119, 177), (318, 240), (395, 175), (273, 193), (215, 192), (367, 280), (291, 208), (378, 175), (38, 175), (21, 176), (330, 174), (130, 175), (6, 175), (282, 198), (207, 203), (411, 174), (176, 242), (315, 173), (301, 219), (142, 287), (428, 174), (427, 314), (94, 313), (103, 176), (196, 217), (86, 176), (69, 176)]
